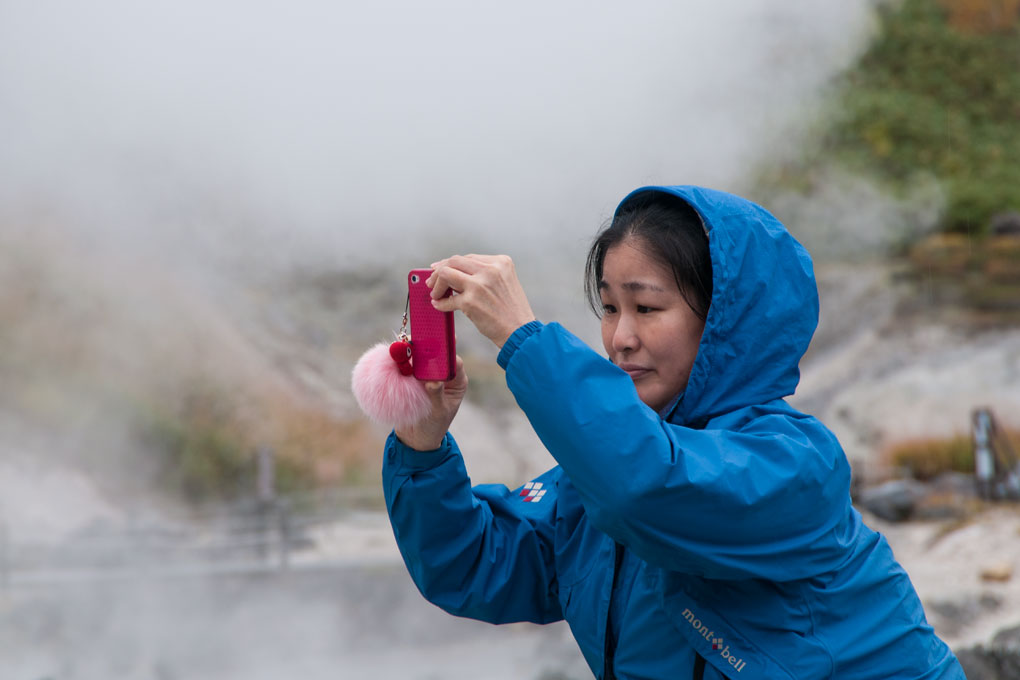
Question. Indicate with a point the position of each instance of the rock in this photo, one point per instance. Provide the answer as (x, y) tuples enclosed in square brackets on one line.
[(1005, 224), (980, 663), (953, 616), (957, 484), (947, 496), (999, 661), (998, 571), (893, 501), (1008, 639)]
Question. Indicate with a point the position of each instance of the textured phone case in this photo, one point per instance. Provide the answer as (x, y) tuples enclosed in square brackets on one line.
[(433, 349)]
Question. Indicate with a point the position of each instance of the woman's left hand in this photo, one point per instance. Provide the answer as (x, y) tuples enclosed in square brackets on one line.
[(486, 290)]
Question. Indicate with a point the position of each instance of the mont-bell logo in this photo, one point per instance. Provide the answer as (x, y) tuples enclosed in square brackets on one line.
[(532, 492), (718, 645)]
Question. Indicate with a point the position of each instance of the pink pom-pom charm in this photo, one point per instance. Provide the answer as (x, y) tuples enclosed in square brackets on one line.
[(384, 392)]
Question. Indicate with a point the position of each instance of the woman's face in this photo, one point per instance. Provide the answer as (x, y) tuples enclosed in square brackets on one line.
[(648, 329)]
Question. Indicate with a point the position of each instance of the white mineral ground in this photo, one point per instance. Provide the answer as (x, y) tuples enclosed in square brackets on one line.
[(348, 609)]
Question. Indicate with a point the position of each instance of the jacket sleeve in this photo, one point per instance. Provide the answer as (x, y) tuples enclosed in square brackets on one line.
[(761, 496), (481, 553)]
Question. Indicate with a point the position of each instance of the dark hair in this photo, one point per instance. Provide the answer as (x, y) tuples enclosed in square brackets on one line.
[(668, 229)]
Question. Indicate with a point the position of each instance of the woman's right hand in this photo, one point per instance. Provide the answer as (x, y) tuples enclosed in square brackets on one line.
[(487, 291), (446, 397)]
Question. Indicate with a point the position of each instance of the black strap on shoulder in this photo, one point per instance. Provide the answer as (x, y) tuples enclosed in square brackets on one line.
[(699, 667)]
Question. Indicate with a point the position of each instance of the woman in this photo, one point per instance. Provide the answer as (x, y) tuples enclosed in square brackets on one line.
[(696, 525)]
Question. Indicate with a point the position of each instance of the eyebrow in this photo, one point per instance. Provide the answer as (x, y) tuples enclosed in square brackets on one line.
[(634, 286)]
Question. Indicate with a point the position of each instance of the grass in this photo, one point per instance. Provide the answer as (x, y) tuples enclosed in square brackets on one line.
[(927, 458), (979, 277), (206, 445)]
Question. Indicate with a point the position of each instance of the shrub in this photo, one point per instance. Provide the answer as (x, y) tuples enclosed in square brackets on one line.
[(926, 458), (204, 445), (938, 91)]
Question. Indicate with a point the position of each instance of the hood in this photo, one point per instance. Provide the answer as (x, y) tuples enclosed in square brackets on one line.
[(764, 308)]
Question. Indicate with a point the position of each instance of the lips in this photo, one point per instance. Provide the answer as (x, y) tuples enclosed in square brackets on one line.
[(635, 371)]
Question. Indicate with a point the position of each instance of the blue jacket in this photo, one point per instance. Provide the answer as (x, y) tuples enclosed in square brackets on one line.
[(720, 528)]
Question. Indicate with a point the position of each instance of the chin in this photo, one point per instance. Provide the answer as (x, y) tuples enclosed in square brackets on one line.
[(651, 401)]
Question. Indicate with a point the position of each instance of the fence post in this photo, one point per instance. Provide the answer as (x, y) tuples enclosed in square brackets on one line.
[(283, 516), (984, 456), (4, 557), (996, 468), (265, 478), (265, 497)]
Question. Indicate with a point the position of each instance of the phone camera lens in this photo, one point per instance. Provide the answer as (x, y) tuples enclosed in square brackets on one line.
[(414, 278)]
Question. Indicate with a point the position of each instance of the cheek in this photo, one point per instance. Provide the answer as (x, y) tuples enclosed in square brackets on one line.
[(607, 337), (690, 350), (679, 347)]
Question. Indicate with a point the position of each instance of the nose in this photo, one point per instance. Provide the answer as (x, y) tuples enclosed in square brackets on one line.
[(625, 338)]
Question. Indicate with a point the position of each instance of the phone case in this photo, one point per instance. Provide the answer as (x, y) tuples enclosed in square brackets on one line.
[(433, 345)]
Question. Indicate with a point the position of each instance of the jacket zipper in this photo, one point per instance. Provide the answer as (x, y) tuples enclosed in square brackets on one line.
[(609, 654)]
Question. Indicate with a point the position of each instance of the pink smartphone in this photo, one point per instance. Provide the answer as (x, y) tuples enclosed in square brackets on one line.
[(433, 344)]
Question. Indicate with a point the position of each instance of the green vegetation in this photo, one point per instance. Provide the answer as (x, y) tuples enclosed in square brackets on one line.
[(205, 448), (930, 117), (936, 96), (201, 463), (939, 92), (198, 451)]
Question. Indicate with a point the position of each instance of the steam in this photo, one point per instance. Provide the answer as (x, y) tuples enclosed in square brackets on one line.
[(182, 182), (846, 216), (331, 133)]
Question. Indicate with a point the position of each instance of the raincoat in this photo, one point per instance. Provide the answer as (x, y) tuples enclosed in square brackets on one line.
[(715, 538)]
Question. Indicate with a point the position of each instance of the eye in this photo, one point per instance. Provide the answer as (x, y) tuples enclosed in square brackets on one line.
[(608, 309), (642, 309)]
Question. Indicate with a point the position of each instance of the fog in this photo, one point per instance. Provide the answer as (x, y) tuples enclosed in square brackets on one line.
[(164, 166), (335, 132)]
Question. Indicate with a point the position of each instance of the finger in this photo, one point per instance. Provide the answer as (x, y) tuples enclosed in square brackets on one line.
[(434, 280), (466, 260), (437, 270), (436, 266), (459, 376), (486, 259), (449, 278), (447, 304), (456, 387), (469, 264)]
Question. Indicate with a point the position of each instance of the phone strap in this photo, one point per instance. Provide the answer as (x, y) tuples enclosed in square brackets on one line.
[(402, 333), (400, 349)]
